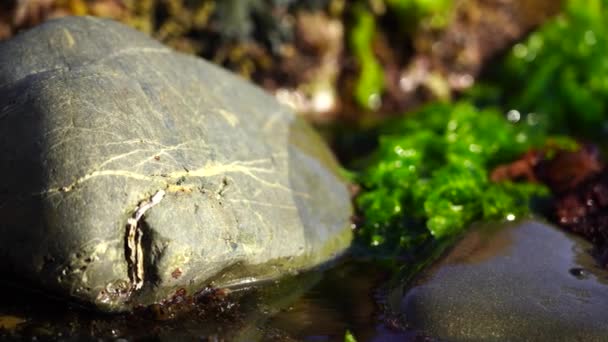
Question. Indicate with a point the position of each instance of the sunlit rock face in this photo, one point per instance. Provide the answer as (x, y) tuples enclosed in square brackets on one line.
[(525, 281), (129, 171)]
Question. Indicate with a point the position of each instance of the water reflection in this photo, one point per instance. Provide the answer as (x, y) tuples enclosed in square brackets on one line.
[(316, 306)]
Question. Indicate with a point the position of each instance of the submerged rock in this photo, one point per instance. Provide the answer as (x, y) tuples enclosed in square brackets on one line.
[(523, 281), (130, 171)]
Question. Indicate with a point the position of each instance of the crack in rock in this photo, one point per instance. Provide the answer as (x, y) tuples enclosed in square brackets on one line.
[(134, 251)]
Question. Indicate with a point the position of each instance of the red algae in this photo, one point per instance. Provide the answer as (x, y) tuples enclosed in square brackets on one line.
[(579, 182)]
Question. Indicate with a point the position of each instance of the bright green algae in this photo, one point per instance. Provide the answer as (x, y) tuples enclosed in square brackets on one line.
[(370, 82), (560, 72), (429, 176), (411, 12)]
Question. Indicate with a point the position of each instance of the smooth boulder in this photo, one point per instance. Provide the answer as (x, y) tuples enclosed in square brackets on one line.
[(525, 281), (129, 171)]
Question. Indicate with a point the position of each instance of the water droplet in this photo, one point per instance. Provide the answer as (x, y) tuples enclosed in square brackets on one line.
[(452, 125), (475, 148), (460, 81), (521, 138), (520, 50), (513, 115), (323, 101), (590, 38), (408, 84), (374, 101), (579, 273), (532, 119), (377, 240), (410, 152)]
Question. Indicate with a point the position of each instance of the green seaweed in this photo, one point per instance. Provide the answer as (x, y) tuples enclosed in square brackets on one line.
[(428, 178), (349, 337), (370, 82), (560, 72), (412, 12)]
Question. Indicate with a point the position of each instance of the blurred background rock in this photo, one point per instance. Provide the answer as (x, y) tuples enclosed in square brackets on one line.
[(353, 61)]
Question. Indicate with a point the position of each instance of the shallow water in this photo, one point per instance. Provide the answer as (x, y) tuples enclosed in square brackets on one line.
[(315, 306), (322, 305)]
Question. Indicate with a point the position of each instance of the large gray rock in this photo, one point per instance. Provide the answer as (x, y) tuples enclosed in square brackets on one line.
[(522, 282), (129, 171)]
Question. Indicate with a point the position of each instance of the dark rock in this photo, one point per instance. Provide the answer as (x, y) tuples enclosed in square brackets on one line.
[(130, 172), (524, 281), (579, 181)]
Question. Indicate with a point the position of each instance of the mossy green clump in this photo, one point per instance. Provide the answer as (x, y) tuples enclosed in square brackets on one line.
[(429, 177), (560, 72)]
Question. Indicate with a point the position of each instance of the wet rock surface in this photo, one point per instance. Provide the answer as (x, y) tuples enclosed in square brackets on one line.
[(521, 281), (579, 181), (130, 172), (311, 306)]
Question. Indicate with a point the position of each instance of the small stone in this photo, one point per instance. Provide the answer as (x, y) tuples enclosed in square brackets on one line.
[(521, 281)]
